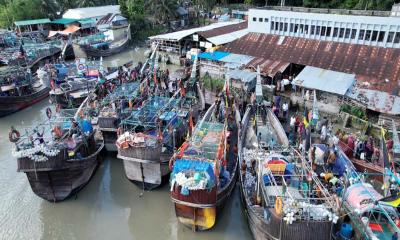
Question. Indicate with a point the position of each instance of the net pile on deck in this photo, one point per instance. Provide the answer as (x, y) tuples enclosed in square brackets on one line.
[(151, 123), (289, 184), (198, 160), (125, 92), (47, 139)]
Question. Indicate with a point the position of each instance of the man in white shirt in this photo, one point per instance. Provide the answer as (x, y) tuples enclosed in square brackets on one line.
[(285, 108)]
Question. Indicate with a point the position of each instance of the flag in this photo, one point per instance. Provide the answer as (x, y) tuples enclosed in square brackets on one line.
[(384, 151), (305, 117)]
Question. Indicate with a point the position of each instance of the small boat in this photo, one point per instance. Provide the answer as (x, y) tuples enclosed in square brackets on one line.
[(72, 93), (204, 170), (20, 89), (150, 136), (60, 155), (107, 48)]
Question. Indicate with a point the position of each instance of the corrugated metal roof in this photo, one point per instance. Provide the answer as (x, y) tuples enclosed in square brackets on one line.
[(267, 67), (176, 36), (325, 80), (215, 56), (244, 75), (64, 21), (91, 12), (228, 37), (376, 100), (32, 22), (237, 58), (374, 62), (224, 30)]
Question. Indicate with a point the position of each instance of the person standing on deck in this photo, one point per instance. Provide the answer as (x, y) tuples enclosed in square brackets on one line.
[(323, 134), (285, 108)]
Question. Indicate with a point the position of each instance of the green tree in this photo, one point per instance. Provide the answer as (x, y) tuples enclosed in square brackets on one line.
[(163, 10)]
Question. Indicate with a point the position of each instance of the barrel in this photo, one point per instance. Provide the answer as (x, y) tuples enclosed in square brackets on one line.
[(346, 231)]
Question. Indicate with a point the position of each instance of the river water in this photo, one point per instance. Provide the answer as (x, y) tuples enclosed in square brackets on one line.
[(109, 207)]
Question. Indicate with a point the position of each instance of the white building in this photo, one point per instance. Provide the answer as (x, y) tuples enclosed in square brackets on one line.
[(95, 13), (383, 30)]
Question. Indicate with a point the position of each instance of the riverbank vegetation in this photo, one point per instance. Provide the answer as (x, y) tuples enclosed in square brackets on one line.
[(149, 17)]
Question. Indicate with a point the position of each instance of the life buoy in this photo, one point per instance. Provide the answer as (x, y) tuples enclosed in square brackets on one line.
[(14, 136), (81, 67), (278, 205), (48, 112)]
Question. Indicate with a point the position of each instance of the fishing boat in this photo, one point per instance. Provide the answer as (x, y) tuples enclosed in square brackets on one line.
[(107, 48), (60, 155), (19, 89), (73, 92), (282, 196), (150, 136), (116, 106), (204, 170)]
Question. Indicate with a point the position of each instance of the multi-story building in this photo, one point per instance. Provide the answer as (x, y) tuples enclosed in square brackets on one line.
[(373, 28)]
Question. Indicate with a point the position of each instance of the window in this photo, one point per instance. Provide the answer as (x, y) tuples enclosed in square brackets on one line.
[(335, 32), (312, 30), (374, 35), (367, 35), (323, 31), (291, 27), (296, 28), (306, 29), (286, 27), (276, 26), (381, 36), (361, 34), (265, 19), (328, 31), (353, 33), (390, 37), (347, 35), (341, 32), (317, 32), (281, 26), (272, 25), (254, 19), (397, 38), (301, 28), (260, 20)]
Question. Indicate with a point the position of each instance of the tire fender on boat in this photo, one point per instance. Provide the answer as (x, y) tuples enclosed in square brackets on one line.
[(14, 135), (278, 205), (48, 112)]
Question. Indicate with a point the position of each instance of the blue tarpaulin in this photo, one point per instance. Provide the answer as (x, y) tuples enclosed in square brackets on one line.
[(181, 165), (342, 161), (215, 56)]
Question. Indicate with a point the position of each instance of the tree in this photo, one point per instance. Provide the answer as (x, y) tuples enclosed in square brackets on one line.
[(163, 10)]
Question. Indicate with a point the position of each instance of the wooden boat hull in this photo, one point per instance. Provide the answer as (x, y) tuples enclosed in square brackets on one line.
[(362, 166), (198, 211), (64, 103), (9, 105), (58, 178), (94, 52), (147, 174)]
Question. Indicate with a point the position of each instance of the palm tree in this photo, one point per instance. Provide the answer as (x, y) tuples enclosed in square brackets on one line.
[(163, 10)]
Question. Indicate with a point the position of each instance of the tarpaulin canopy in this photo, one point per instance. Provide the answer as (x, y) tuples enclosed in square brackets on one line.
[(69, 30), (216, 55), (361, 196), (64, 21), (182, 165), (325, 80)]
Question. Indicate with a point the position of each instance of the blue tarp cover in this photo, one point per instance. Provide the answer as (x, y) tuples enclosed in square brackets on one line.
[(342, 161), (215, 56), (181, 165)]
